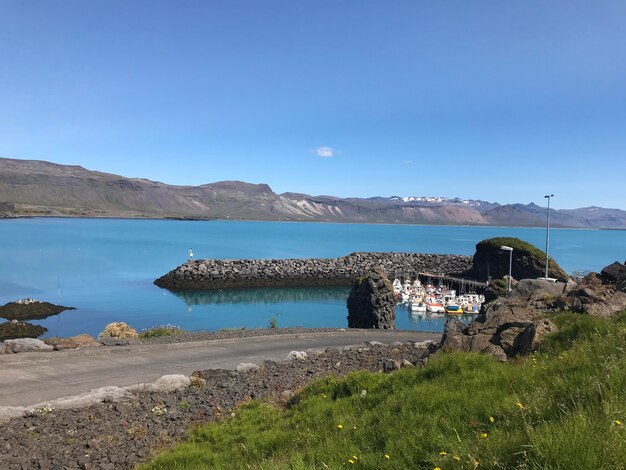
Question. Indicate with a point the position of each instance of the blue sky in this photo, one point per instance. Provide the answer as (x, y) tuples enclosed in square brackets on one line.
[(502, 101)]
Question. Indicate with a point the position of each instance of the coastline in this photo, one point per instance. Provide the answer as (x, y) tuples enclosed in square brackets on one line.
[(216, 219)]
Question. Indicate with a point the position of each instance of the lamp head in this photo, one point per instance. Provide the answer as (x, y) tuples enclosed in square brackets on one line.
[(506, 248)]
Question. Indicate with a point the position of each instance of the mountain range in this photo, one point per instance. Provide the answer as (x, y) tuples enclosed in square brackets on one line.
[(38, 188)]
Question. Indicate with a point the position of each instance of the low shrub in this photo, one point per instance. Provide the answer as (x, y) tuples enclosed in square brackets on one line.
[(118, 330), (161, 330)]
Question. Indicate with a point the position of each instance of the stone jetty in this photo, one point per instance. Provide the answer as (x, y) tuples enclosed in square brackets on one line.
[(305, 272)]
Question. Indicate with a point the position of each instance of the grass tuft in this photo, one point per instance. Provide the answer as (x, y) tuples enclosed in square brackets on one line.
[(161, 330)]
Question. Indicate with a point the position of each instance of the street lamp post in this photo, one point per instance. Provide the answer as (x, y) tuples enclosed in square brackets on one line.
[(510, 250), (548, 197)]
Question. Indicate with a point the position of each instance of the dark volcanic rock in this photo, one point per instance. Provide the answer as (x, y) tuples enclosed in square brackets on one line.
[(371, 302), (597, 294), (29, 309), (15, 329), (528, 261), (515, 324), (614, 273), (508, 326)]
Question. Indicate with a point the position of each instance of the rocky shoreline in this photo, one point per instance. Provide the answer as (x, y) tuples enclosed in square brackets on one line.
[(307, 272), (118, 434)]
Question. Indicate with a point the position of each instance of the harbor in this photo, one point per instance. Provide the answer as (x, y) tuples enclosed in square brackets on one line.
[(435, 300)]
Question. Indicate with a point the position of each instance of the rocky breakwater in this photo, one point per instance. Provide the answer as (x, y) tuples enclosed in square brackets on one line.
[(305, 272)]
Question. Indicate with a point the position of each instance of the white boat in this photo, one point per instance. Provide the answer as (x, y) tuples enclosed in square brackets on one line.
[(434, 307), (417, 306)]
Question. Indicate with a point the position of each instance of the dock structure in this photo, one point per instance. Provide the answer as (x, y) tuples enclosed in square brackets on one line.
[(462, 283)]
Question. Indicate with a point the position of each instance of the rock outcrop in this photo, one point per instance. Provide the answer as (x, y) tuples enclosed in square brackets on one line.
[(516, 324), (597, 294), (509, 326), (226, 274), (528, 262), (371, 302)]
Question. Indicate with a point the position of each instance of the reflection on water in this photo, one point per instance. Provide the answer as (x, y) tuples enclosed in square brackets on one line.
[(426, 321), (268, 295), (298, 307)]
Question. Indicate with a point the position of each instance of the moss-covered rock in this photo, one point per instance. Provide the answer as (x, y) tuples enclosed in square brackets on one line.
[(528, 261)]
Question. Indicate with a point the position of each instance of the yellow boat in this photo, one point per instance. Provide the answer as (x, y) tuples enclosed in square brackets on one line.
[(454, 310)]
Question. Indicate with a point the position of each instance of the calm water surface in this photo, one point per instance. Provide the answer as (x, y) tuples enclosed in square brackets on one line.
[(105, 268)]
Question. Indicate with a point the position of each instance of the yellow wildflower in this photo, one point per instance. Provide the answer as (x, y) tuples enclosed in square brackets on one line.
[(457, 458), (355, 457), (617, 422), (443, 452), (491, 419), (387, 456), (340, 426), (350, 460), (483, 435), (520, 406), (437, 468)]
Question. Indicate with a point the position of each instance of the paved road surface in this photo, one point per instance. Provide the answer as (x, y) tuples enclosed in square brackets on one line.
[(30, 378)]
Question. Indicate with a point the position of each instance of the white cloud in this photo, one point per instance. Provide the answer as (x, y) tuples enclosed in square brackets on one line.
[(407, 162), (324, 152)]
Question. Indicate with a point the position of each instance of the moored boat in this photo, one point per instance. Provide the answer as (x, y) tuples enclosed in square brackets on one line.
[(417, 306), (454, 310), (433, 307)]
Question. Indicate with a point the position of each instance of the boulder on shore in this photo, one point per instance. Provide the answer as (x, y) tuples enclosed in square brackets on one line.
[(615, 274), (602, 294), (73, 342), (371, 302), (13, 346)]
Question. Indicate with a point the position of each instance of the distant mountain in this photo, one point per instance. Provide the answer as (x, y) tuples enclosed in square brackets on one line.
[(35, 188)]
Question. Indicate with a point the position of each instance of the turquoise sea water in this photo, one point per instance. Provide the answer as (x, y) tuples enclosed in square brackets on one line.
[(105, 268)]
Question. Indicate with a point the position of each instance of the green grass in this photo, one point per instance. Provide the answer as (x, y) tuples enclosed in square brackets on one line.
[(556, 409), (162, 330)]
